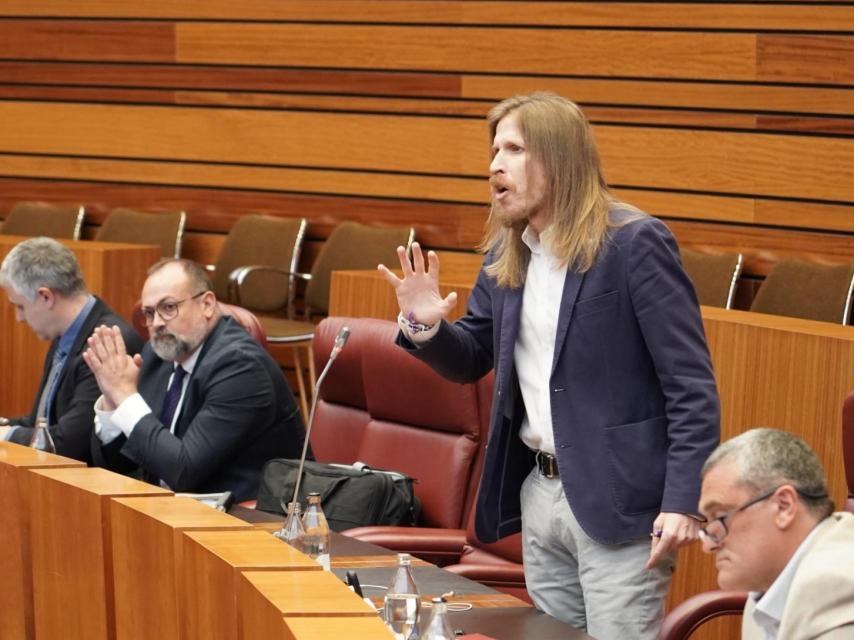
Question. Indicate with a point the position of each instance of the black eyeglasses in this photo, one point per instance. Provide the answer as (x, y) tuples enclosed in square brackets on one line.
[(716, 530), (167, 309)]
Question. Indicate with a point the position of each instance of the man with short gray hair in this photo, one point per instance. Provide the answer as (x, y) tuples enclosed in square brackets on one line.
[(42, 279), (772, 529)]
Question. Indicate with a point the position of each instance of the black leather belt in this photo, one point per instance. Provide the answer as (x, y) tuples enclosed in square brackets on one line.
[(547, 464)]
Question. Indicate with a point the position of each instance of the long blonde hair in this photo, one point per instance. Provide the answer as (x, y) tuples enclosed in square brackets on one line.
[(558, 135)]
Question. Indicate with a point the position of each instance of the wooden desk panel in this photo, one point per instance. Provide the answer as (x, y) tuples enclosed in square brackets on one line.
[(211, 566), (267, 598), (351, 628), (147, 541), (72, 549), (113, 271), (16, 578)]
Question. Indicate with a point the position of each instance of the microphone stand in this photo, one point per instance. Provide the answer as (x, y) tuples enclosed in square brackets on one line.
[(340, 341)]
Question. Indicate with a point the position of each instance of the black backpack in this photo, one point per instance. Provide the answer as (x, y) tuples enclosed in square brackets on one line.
[(351, 495)]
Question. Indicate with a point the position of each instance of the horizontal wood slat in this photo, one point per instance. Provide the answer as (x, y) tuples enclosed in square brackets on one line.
[(736, 15), (698, 96), (82, 40), (717, 162), (497, 50)]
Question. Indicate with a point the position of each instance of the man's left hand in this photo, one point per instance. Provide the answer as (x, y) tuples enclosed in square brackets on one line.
[(676, 531), (116, 372)]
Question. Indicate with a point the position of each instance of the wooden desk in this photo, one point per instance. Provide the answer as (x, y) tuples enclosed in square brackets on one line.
[(148, 548), (772, 371), (72, 552), (113, 271), (16, 577)]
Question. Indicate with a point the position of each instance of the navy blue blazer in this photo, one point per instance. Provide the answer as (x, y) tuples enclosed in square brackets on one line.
[(635, 408), (237, 413), (72, 412)]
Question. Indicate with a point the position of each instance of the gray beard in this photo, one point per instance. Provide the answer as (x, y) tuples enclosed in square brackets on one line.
[(170, 347)]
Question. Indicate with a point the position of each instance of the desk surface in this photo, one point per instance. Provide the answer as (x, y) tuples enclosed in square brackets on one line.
[(494, 614)]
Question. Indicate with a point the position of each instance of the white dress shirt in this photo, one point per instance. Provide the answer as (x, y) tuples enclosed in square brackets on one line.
[(770, 605), (110, 424), (535, 344)]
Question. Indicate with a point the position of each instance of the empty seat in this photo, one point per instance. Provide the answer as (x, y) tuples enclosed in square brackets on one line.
[(715, 276), (165, 230), (381, 406), (807, 290), (43, 219)]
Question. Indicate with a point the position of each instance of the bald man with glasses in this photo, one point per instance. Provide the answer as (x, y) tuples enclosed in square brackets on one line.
[(771, 526), (203, 407)]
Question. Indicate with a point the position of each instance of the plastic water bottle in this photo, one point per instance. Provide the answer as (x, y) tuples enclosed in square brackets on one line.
[(315, 540), (292, 531), (402, 602), (439, 627), (41, 437)]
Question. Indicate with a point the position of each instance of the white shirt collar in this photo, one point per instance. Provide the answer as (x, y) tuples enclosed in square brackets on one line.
[(190, 363), (770, 605), (539, 243)]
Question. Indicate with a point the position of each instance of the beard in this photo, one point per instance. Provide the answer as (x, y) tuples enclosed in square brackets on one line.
[(172, 346)]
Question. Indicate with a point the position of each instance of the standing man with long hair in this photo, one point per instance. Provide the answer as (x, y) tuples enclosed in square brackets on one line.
[(605, 405)]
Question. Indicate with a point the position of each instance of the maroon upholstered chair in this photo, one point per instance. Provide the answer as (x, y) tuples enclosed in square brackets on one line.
[(687, 617), (848, 447), (243, 316), (381, 406)]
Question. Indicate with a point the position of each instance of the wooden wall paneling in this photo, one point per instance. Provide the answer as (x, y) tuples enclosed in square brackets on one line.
[(795, 16), (198, 174), (805, 58), (300, 139), (16, 577), (72, 552), (710, 161), (212, 563), (648, 54), (243, 78), (673, 93), (150, 594), (87, 40), (302, 83)]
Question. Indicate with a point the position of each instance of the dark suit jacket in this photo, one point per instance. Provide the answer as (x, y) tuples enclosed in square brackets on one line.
[(72, 412), (237, 413), (635, 408)]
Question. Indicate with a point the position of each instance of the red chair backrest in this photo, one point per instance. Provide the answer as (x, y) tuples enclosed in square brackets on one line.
[(848, 447), (381, 406)]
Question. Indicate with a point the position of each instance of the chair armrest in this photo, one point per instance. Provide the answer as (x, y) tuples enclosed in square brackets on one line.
[(687, 616), (433, 542), (238, 277)]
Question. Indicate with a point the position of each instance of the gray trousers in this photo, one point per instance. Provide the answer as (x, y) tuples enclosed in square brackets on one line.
[(602, 589)]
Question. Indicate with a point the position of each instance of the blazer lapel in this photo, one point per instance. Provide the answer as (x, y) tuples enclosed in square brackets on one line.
[(511, 314), (571, 287)]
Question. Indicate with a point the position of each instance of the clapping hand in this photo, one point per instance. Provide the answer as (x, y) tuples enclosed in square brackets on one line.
[(117, 373)]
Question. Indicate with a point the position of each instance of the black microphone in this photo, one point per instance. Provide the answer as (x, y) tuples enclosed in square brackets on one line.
[(340, 341)]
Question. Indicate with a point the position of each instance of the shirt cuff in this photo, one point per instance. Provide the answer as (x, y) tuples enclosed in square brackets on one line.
[(109, 425), (416, 337)]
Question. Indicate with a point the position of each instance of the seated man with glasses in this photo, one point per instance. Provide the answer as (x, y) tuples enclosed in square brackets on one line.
[(204, 406), (772, 529)]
